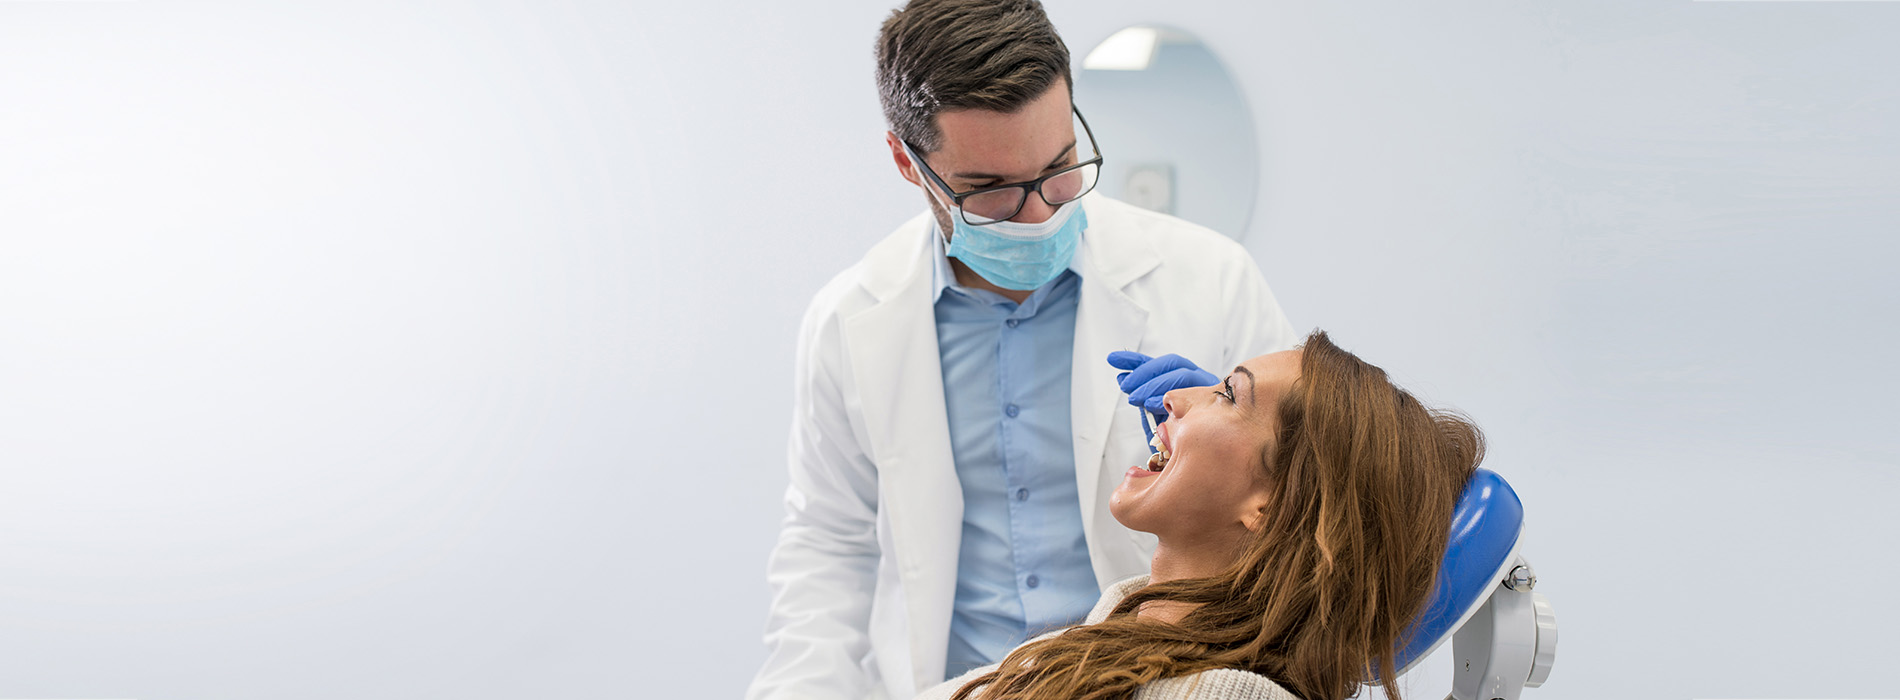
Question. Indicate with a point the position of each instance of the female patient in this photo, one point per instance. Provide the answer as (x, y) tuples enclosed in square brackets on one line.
[(1302, 512)]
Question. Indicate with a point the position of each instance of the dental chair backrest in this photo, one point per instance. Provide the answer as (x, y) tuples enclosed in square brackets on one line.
[(1505, 636)]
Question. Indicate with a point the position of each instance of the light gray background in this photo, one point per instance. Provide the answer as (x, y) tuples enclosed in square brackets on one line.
[(418, 349), (1185, 111)]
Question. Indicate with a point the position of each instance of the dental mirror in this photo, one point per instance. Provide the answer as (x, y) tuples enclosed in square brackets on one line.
[(1175, 134)]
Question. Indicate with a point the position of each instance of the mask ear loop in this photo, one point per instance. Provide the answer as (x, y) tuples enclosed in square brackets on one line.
[(950, 214), (931, 190)]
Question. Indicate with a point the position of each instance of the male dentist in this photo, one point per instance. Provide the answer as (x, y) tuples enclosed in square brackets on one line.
[(956, 432)]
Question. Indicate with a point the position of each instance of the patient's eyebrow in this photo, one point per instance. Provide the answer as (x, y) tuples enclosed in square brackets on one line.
[(1250, 382)]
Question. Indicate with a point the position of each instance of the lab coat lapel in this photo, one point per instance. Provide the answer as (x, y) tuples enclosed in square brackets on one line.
[(1106, 320), (897, 369)]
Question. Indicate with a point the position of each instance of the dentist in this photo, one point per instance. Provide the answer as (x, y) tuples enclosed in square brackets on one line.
[(955, 432)]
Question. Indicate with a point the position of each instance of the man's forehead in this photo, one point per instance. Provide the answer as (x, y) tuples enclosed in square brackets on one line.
[(1025, 139)]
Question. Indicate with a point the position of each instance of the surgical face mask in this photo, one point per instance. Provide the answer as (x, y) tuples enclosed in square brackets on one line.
[(1018, 256)]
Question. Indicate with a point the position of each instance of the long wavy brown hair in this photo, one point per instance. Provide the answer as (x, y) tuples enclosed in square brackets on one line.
[(1363, 479)]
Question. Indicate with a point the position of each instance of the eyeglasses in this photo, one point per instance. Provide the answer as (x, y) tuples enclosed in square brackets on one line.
[(989, 205)]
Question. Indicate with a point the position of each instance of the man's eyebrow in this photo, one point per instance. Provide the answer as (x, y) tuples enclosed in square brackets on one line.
[(991, 176), (1064, 155), (1250, 382)]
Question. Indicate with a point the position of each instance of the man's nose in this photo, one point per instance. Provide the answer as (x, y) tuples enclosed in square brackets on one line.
[(1034, 211)]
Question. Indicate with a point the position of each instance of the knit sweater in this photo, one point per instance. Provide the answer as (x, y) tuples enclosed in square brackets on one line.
[(1219, 684)]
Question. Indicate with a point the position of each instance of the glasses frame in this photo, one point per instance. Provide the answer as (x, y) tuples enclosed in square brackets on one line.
[(1034, 186)]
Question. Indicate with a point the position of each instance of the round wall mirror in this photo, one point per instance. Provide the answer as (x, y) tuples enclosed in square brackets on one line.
[(1175, 134)]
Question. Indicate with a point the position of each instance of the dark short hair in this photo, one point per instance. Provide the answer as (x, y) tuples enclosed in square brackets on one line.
[(935, 56)]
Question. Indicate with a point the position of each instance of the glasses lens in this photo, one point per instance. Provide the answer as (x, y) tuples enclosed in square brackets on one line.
[(1071, 185), (993, 206)]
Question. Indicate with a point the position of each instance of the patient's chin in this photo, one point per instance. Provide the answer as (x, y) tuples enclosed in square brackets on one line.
[(1127, 505)]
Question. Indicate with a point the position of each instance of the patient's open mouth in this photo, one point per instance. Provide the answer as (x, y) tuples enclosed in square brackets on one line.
[(1158, 459)]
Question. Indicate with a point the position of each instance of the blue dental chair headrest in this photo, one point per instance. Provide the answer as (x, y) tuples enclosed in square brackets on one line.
[(1484, 531)]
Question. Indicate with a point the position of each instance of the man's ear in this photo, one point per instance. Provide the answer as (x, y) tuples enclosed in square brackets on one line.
[(902, 159)]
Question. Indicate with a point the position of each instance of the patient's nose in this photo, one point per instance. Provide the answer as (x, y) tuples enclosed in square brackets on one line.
[(1176, 403)]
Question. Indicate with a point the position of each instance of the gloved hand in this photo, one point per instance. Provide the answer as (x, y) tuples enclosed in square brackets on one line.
[(1148, 380)]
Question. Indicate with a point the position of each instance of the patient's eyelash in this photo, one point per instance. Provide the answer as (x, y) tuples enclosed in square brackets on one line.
[(1227, 384)]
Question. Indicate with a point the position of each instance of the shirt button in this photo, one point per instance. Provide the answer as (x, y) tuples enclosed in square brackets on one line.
[(1022, 494), (1033, 581), (1011, 323), (1011, 410)]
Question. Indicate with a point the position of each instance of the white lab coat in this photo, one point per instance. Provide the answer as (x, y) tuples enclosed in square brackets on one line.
[(864, 573)]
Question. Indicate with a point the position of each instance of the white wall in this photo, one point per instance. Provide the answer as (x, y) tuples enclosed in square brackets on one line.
[(1184, 111), (426, 349)]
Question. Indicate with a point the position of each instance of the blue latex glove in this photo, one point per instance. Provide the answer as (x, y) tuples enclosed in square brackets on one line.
[(1149, 379)]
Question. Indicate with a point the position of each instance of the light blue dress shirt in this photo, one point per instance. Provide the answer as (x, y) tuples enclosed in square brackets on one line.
[(1023, 567)]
